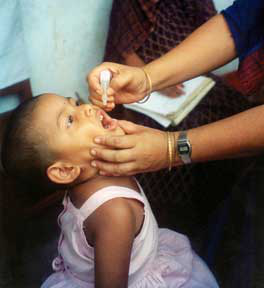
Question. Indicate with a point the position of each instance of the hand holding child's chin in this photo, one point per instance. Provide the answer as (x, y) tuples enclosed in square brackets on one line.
[(112, 126)]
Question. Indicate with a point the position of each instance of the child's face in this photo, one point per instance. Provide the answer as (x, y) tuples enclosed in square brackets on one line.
[(70, 128)]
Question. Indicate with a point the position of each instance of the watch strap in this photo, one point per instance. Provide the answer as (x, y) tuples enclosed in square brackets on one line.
[(184, 147)]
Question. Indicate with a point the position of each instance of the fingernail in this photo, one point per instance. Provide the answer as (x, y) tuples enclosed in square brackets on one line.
[(102, 173), (93, 152), (97, 140), (93, 163)]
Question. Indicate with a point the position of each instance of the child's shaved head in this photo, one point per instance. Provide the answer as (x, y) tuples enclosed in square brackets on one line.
[(25, 151)]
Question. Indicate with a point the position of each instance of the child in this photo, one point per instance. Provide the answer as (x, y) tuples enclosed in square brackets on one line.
[(109, 236)]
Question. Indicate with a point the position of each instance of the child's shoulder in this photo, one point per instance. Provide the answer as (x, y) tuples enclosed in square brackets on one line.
[(116, 212), (79, 195)]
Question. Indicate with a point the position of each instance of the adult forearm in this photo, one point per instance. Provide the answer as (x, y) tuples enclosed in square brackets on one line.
[(144, 149), (208, 47), (239, 135)]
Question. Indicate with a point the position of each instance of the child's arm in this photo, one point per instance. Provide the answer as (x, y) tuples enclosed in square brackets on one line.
[(113, 227)]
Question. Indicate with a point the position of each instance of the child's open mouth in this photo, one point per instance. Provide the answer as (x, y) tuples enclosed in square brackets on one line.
[(106, 121)]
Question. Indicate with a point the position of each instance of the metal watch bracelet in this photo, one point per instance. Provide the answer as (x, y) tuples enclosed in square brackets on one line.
[(184, 147)]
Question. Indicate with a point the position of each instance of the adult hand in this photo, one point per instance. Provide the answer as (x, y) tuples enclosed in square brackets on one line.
[(142, 149), (128, 85)]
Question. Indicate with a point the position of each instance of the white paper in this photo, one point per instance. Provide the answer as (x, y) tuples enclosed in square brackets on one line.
[(166, 110), (165, 105), (162, 120)]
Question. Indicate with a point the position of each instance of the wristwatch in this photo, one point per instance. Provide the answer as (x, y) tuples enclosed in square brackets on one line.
[(184, 147)]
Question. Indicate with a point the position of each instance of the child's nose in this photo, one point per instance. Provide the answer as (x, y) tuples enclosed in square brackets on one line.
[(87, 110)]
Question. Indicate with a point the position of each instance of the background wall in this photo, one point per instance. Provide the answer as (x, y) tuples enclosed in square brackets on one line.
[(13, 63), (54, 42), (65, 39)]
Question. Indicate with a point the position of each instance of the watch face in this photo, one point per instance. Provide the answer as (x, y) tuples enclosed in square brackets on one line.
[(184, 149)]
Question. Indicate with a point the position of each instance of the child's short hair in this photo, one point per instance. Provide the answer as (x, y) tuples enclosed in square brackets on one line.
[(25, 151)]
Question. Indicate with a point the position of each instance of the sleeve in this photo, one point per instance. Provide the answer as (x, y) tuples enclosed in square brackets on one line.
[(244, 19)]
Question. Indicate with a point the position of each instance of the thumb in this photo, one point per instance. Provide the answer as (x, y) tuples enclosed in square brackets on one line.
[(120, 80), (130, 127)]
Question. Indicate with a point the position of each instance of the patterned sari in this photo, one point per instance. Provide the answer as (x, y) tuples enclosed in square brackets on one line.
[(193, 198)]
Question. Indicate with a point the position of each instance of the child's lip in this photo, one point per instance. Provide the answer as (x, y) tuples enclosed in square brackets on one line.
[(106, 121)]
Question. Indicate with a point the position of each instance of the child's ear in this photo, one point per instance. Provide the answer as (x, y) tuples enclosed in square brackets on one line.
[(63, 173)]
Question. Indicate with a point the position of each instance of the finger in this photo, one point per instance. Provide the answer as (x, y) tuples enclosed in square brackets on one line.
[(93, 78), (112, 67), (114, 156), (110, 98), (129, 127), (120, 81), (119, 142), (177, 92), (174, 91), (98, 94), (94, 82), (95, 94), (97, 102), (174, 94), (110, 93), (110, 169), (109, 106), (180, 89)]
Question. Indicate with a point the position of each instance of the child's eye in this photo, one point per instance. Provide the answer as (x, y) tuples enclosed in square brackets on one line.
[(69, 121)]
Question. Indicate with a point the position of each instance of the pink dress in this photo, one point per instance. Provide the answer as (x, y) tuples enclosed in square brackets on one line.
[(159, 258)]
